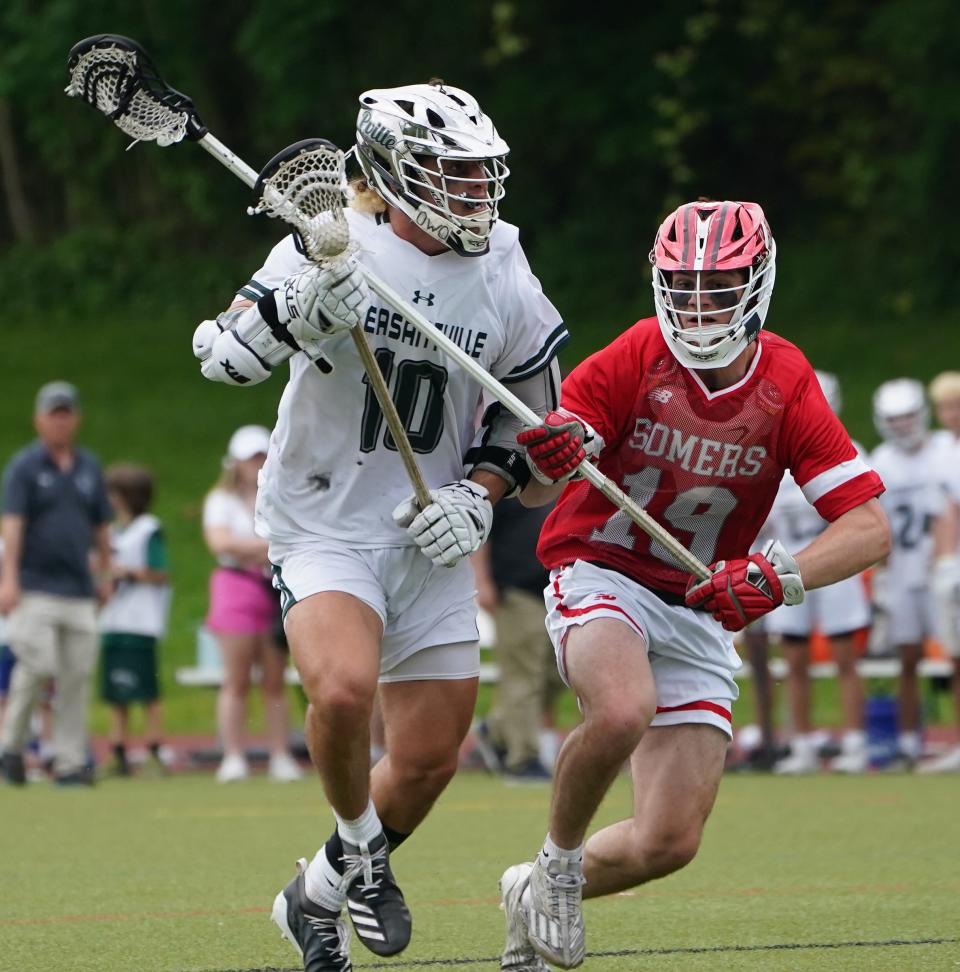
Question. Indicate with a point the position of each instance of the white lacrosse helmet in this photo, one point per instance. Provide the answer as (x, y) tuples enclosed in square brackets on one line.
[(900, 412), (399, 132), (711, 237), (830, 386)]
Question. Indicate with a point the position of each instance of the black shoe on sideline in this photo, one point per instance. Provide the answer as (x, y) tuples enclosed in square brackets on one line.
[(375, 904), (14, 771), (321, 937), (80, 777)]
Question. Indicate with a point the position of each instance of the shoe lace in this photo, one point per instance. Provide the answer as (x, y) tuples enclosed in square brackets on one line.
[(330, 931), (560, 886), (370, 866)]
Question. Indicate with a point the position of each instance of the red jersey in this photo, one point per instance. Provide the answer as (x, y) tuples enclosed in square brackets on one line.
[(704, 464)]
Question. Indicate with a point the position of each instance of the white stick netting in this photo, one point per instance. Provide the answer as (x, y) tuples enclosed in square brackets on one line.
[(308, 192), (105, 77)]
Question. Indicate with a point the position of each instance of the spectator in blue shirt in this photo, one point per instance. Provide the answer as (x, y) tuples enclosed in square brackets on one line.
[(55, 513)]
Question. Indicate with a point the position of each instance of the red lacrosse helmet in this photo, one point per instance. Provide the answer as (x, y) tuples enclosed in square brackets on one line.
[(701, 238)]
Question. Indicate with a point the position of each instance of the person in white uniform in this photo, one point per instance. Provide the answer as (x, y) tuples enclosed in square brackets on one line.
[(944, 393), (906, 459), (837, 612), (374, 588)]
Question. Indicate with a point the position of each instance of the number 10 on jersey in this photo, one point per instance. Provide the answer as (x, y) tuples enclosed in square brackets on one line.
[(417, 389)]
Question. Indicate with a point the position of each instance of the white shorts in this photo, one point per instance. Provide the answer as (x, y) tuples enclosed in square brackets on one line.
[(420, 606), (691, 656), (912, 616), (835, 610)]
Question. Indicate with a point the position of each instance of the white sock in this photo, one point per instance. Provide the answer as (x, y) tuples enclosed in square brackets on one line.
[(323, 883), (363, 829), (551, 852)]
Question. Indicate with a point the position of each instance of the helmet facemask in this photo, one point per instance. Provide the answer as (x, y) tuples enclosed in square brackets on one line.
[(707, 316), (431, 152), (714, 267)]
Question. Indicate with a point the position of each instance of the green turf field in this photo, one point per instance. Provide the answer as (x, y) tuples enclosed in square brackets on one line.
[(795, 874)]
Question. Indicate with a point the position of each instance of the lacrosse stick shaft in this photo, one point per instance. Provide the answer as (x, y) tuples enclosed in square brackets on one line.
[(526, 415), (225, 157), (379, 386), (243, 171)]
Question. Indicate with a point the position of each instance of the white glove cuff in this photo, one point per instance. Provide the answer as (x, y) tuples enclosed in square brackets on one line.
[(787, 569)]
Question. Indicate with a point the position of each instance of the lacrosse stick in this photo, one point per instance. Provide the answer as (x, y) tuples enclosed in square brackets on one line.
[(114, 75), (303, 185)]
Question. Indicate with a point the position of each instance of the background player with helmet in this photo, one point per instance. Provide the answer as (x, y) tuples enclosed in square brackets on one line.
[(907, 461), (837, 611), (696, 413), (373, 586)]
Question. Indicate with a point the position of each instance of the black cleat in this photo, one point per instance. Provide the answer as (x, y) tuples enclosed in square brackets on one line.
[(13, 768), (321, 937), (375, 904)]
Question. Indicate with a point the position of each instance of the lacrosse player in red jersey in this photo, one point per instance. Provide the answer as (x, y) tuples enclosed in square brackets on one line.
[(376, 589), (696, 414)]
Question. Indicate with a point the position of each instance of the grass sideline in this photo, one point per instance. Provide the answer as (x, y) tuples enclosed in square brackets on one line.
[(178, 875)]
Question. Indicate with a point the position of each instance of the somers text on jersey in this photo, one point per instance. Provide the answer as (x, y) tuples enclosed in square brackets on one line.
[(704, 457)]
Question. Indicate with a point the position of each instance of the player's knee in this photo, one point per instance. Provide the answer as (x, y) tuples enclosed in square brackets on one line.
[(669, 849), (340, 700), (430, 771), (620, 723)]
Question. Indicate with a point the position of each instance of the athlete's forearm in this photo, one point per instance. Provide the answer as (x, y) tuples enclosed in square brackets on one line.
[(853, 542)]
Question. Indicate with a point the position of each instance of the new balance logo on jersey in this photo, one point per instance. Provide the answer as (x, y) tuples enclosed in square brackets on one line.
[(426, 298), (232, 372), (661, 395), (705, 457)]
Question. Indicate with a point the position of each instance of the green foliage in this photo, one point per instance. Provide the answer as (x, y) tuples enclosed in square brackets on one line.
[(840, 117)]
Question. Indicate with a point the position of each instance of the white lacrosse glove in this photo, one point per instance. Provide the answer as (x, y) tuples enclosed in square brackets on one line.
[(203, 337), (234, 362), (322, 301), (453, 526)]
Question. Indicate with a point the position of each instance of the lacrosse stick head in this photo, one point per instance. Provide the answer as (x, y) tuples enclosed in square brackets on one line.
[(114, 74), (305, 185)]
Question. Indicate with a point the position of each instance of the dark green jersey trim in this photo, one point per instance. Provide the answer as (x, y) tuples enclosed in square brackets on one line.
[(558, 338)]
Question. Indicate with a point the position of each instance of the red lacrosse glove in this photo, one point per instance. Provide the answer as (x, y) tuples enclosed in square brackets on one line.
[(557, 446), (740, 591)]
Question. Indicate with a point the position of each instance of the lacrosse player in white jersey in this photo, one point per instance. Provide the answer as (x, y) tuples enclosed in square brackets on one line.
[(837, 611), (374, 588), (944, 393), (914, 499)]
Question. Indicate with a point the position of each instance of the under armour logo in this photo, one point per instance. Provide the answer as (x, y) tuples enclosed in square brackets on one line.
[(428, 298)]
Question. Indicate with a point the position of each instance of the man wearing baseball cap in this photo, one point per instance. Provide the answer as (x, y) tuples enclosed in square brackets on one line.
[(55, 512)]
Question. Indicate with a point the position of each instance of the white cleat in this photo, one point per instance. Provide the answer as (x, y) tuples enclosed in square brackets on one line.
[(518, 954), (949, 762), (802, 759), (554, 912)]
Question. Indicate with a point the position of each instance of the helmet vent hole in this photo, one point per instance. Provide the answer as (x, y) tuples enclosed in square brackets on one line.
[(459, 101), (407, 106), (435, 119), (369, 101)]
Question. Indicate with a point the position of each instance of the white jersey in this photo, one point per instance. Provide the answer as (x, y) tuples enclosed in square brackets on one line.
[(912, 499), (332, 469), (136, 607), (945, 450)]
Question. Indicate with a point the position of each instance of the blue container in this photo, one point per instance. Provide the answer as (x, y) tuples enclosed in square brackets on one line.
[(881, 727)]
